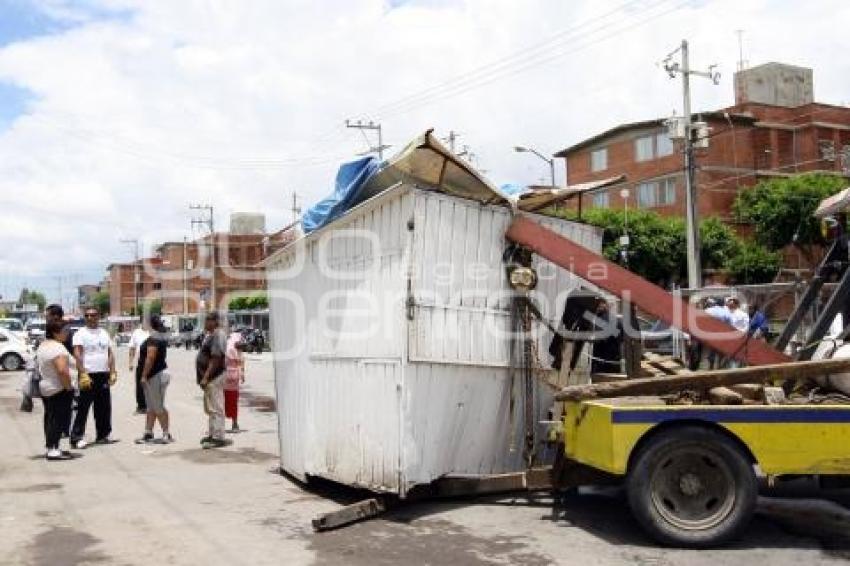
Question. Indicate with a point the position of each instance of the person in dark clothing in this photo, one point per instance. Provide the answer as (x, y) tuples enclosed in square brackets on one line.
[(154, 378), (55, 387), (607, 350)]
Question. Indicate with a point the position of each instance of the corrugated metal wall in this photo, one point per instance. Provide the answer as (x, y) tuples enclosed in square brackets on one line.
[(419, 397), (339, 381), (457, 386)]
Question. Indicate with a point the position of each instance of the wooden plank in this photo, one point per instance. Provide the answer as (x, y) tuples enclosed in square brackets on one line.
[(703, 380), (724, 396), (650, 298)]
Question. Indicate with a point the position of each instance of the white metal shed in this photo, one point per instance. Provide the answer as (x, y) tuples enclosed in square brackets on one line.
[(389, 328)]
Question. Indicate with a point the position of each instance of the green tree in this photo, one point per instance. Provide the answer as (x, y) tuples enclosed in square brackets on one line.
[(100, 301), (248, 302), (718, 242), (780, 210), (153, 306), (753, 264), (30, 297), (658, 251)]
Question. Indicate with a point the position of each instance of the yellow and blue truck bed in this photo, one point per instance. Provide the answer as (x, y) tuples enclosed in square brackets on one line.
[(782, 439)]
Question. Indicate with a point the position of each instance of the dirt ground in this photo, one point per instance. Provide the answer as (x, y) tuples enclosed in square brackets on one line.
[(179, 504)]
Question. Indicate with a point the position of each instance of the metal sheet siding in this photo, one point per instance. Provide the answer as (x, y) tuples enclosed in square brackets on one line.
[(419, 398), (338, 388)]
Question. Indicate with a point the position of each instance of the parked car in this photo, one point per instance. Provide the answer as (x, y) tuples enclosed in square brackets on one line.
[(15, 326), (14, 352)]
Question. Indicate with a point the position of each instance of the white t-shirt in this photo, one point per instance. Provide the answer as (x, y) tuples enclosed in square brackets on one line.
[(740, 319), (138, 336), (48, 351), (95, 343)]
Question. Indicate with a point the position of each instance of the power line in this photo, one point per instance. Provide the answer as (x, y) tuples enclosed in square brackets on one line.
[(465, 85), (363, 126)]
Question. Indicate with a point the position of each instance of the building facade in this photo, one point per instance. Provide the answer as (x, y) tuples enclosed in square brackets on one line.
[(774, 129), (193, 276)]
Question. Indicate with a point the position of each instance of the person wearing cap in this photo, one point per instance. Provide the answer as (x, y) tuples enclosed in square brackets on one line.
[(154, 378), (210, 366)]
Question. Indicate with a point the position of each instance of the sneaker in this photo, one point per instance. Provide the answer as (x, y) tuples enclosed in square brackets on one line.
[(140, 411), (54, 454), (145, 439), (79, 443), (215, 443), (105, 440), (206, 439), (167, 438)]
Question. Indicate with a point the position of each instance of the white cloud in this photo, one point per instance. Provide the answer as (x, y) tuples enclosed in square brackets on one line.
[(237, 104)]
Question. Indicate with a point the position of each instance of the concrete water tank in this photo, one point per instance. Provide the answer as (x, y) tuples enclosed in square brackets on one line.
[(242, 223)]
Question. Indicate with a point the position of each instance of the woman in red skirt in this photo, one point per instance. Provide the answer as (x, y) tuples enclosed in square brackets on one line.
[(234, 376)]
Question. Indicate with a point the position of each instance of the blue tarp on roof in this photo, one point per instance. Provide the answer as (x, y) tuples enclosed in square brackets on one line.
[(350, 178)]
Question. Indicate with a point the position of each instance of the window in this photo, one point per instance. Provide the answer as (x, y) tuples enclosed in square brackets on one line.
[(600, 199), (599, 159), (157, 286), (827, 150), (656, 193), (652, 146), (647, 195), (643, 149), (663, 145), (668, 192)]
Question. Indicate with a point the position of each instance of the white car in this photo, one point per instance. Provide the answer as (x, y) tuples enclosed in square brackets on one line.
[(14, 352), (14, 326)]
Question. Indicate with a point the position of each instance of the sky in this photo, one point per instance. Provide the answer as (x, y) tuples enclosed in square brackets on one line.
[(116, 115)]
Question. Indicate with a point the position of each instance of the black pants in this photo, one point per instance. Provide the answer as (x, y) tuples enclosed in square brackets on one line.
[(141, 404), (57, 417), (99, 396)]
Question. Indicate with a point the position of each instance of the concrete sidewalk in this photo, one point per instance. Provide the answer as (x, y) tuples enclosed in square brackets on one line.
[(178, 504)]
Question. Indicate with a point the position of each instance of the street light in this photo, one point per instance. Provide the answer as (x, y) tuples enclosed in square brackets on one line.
[(550, 161)]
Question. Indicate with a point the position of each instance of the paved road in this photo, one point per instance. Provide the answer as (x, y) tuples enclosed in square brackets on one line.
[(178, 504)]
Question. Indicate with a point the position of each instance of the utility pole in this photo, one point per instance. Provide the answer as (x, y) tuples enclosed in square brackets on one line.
[(136, 279), (296, 210), (362, 126), (691, 202), (208, 222), (451, 139), (185, 277)]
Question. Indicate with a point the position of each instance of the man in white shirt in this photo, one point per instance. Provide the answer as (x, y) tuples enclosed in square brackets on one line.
[(96, 374), (739, 317), (137, 338)]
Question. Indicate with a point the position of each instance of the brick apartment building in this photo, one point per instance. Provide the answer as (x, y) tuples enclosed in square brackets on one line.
[(775, 129), (180, 274)]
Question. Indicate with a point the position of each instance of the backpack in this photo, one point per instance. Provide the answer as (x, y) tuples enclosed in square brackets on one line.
[(32, 380)]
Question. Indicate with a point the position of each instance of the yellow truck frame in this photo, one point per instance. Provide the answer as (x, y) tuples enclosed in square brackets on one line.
[(691, 471)]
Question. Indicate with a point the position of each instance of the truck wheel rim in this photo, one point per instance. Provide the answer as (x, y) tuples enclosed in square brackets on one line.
[(10, 363), (693, 489)]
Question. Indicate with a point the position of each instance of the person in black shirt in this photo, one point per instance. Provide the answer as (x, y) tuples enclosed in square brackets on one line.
[(154, 377), (209, 366)]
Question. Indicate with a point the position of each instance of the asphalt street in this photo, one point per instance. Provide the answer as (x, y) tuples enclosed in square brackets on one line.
[(179, 504)]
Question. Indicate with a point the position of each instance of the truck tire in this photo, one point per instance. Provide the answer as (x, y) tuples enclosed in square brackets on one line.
[(692, 487)]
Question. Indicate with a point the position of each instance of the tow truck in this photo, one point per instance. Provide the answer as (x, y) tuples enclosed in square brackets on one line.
[(691, 472)]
